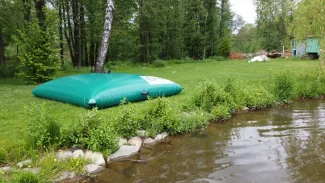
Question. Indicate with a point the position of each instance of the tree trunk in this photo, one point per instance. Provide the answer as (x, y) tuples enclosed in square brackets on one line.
[(76, 33), (84, 54), (105, 39), (61, 33), (148, 40), (27, 8), (67, 28), (39, 6), (141, 39), (2, 50), (221, 25)]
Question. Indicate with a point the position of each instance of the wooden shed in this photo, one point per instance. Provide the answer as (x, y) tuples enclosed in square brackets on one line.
[(309, 47)]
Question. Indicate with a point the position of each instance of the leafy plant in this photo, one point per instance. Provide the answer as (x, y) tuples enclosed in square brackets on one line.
[(235, 90), (208, 95), (103, 139), (224, 48), (221, 112), (126, 121), (161, 116), (284, 87), (76, 165), (258, 98), (79, 133), (43, 129), (38, 57), (159, 63)]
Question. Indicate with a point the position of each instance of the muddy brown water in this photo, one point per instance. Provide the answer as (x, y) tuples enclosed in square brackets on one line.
[(283, 144)]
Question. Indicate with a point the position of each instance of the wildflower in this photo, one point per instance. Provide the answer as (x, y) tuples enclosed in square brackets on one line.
[(54, 160), (3, 172)]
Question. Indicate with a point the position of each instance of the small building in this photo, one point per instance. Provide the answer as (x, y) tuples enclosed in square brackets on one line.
[(309, 47)]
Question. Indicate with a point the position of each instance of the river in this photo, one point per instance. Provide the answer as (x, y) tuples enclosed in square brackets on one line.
[(282, 144)]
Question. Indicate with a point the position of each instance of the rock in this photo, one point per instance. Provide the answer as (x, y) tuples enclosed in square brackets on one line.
[(142, 133), (260, 58), (32, 170), (149, 141), (95, 157), (161, 137), (65, 175), (78, 154), (64, 155), (23, 163), (122, 141), (92, 168), (135, 141), (6, 168), (245, 109), (123, 152)]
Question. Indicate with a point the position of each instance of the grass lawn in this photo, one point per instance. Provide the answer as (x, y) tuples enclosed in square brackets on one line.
[(15, 96)]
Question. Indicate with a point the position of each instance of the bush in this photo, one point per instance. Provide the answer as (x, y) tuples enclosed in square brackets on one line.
[(208, 95), (235, 90), (310, 89), (39, 60), (218, 58), (221, 112), (79, 133), (43, 130), (258, 98), (103, 139), (9, 69), (161, 116), (284, 87), (224, 48), (126, 121), (159, 63)]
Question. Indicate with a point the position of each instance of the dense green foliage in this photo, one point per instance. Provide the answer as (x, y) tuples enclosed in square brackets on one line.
[(39, 59), (284, 87), (249, 86)]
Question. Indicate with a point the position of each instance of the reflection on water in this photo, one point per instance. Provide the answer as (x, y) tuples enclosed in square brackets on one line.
[(285, 144)]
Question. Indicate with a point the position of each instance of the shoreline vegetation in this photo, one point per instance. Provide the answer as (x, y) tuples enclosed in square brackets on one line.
[(38, 130)]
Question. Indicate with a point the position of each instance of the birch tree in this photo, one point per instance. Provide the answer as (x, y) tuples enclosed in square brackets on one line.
[(105, 38)]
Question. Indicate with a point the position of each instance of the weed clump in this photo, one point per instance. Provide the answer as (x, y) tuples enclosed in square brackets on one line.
[(284, 87)]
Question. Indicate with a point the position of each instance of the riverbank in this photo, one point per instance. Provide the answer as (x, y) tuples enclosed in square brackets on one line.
[(235, 85)]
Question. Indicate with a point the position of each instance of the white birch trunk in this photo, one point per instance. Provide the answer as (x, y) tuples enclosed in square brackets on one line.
[(105, 39)]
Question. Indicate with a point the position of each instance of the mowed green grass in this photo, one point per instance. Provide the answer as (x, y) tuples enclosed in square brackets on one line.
[(15, 96)]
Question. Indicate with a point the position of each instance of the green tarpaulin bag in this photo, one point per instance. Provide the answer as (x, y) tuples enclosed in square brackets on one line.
[(105, 90)]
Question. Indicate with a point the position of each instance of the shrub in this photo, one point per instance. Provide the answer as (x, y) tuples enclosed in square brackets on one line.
[(310, 89), (9, 69), (159, 63), (38, 57), (79, 133), (161, 116), (43, 129), (218, 58), (208, 95), (284, 87), (126, 121), (221, 112), (224, 48), (235, 90), (258, 98), (103, 139)]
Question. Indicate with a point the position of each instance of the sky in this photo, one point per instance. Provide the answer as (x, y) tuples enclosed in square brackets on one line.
[(245, 8)]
